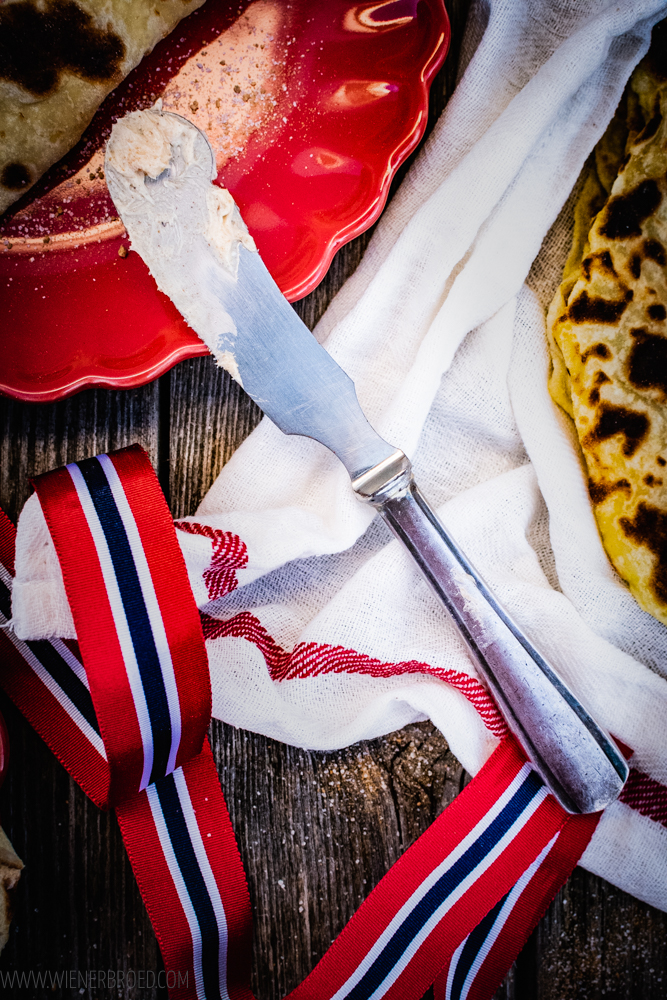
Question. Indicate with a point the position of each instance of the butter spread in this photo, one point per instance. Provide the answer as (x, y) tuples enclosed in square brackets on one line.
[(159, 169), (142, 141), (225, 229)]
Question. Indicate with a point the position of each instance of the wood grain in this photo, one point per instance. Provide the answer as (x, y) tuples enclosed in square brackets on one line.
[(37, 437), (316, 831)]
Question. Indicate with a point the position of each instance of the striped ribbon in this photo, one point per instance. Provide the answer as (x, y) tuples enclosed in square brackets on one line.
[(143, 649), (146, 676), (406, 933), (126, 711), (180, 842), (480, 963)]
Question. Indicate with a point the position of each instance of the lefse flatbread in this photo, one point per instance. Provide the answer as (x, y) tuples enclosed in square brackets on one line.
[(608, 330), (58, 61)]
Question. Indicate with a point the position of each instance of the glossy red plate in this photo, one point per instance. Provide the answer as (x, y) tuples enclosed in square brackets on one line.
[(310, 106)]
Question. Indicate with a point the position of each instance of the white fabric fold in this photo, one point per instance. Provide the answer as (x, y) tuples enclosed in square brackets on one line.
[(446, 344)]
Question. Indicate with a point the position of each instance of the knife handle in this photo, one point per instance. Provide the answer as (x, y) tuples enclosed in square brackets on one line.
[(577, 760)]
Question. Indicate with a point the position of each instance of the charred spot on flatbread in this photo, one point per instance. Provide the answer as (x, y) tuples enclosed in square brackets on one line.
[(647, 362), (649, 250), (38, 44), (654, 250), (602, 260), (597, 351), (631, 425), (587, 308), (599, 379), (15, 176), (608, 338), (626, 212), (600, 491), (649, 528)]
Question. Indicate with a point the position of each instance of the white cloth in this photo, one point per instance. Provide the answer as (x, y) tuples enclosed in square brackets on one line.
[(448, 261)]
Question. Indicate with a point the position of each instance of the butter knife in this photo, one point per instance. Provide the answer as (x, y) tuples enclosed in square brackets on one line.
[(232, 301)]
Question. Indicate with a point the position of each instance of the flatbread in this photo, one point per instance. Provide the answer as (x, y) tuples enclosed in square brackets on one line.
[(608, 331), (10, 873), (58, 61)]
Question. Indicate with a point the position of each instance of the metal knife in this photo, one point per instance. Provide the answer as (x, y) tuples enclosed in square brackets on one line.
[(302, 389)]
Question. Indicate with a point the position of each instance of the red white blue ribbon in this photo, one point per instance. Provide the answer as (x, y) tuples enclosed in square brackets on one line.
[(126, 711), (181, 844), (406, 931), (48, 684), (146, 676), (480, 963), (136, 621)]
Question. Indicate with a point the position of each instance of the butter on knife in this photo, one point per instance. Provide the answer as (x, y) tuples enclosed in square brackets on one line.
[(175, 218)]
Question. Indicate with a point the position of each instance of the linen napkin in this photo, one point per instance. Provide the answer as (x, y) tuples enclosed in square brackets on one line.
[(331, 635)]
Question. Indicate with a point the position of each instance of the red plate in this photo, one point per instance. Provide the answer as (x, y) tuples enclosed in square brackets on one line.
[(311, 106)]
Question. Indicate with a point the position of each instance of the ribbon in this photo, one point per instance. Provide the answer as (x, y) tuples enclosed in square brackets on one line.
[(143, 648), (126, 711), (480, 963)]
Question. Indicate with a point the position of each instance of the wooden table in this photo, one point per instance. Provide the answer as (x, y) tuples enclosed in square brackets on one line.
[(316, 831)]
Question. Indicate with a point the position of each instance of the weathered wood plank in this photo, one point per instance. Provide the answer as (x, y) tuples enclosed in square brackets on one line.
[(210, 417), (36, 438), (597, 941)]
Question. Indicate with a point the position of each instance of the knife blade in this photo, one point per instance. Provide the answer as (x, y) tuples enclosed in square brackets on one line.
[(229, 298)]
